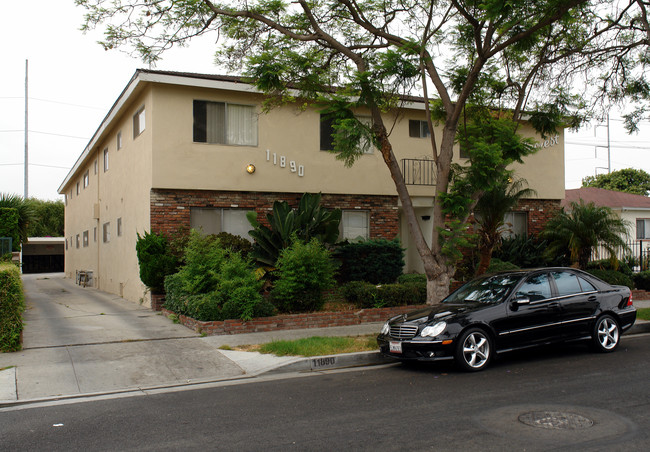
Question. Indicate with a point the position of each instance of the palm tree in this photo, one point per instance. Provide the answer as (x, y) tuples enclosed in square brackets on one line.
[(578, 231), (25, 212), (490, 211)]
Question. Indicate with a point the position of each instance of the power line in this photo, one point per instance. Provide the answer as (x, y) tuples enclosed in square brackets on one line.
[(54, 102), (48, 133), (36, 164)]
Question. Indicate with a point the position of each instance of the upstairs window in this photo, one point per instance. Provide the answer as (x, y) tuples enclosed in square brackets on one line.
[(418, 129), (138, 122), (119, 140), (105, 159), (86, 179), (327, 134), (106, 232), (223, 123)]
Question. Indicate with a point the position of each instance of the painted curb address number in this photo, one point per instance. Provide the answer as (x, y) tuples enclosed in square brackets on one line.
[(323, 362)]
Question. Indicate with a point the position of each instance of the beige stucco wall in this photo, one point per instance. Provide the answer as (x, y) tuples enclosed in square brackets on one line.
[(121, 192), (295, 134)]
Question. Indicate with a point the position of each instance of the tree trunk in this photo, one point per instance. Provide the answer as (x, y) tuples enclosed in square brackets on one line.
[(485, 258), (438, 289)]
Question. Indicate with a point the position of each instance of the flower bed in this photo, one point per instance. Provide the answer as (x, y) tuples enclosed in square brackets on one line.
[(293, 321)]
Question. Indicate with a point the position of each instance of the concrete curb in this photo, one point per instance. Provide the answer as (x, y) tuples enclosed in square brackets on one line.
[(331, 362)]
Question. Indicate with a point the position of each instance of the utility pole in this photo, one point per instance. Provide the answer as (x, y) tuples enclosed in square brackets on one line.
[(26, 129)]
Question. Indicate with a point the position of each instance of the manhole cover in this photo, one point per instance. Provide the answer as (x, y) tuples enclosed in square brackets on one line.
[(555, 420)]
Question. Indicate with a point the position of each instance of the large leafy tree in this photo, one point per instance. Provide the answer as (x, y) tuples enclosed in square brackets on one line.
[(628, 180), (49, 218), (580, 229), (494, 62)]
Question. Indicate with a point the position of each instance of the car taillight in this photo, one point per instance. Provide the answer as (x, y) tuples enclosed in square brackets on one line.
[(629, 300)]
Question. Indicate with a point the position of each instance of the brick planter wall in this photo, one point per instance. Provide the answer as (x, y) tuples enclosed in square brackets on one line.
[(293, 321), (170, 209), (640, 295)]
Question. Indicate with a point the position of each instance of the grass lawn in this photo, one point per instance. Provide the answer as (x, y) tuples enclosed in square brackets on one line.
[(643, 314), (315, 346)]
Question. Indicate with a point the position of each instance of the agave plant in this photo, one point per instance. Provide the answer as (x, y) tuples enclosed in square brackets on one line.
[(309, 221)]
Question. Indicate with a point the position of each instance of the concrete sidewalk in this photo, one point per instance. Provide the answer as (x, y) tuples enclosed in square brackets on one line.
[(80, 342)]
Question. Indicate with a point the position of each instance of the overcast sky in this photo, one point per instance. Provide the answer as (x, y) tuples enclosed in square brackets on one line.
[(73, 82)]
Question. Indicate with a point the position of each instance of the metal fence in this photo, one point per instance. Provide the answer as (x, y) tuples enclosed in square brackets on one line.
[(419, 172), (638, 251)]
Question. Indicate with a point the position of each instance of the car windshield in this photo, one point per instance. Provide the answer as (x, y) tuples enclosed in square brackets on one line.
[(490, 289)]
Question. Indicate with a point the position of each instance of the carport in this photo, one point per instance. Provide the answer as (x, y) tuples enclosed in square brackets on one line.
[(43, 255)]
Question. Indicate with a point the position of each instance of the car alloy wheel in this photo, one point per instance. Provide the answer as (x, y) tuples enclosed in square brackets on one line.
[(474, 350), (606, 335)]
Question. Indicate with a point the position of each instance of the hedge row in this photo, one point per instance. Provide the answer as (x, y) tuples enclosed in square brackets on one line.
[(12, 305), (367, 295)]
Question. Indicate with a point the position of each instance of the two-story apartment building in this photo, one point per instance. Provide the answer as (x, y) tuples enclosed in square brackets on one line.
[(191, 150)]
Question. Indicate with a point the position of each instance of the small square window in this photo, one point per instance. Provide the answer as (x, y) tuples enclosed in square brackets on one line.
[(138, 122), (418, 129), (355, 225)]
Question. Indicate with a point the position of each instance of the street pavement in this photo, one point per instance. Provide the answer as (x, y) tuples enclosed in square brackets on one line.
[(81, 342)]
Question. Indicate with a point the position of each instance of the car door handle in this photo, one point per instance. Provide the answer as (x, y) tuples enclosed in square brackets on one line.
[(555, 306), (592, 298)]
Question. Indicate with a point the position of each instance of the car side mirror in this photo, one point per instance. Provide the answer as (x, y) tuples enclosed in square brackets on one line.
[(521, 300)]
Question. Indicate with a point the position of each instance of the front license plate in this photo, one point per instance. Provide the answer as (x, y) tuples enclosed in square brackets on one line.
[(395, 347)]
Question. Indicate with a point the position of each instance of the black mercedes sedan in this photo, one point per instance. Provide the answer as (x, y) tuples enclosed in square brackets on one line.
[(512, 310)]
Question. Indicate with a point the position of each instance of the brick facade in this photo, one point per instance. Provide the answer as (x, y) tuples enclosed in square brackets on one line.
[(539, 212), (170, 209)]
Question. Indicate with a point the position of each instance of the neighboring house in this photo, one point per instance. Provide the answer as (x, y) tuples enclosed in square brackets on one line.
[(190, 150), (634, 209)]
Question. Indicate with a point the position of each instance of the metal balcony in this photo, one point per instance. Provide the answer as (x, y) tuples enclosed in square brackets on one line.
[(419, 171)]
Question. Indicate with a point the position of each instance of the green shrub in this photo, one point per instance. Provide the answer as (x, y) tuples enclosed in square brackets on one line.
[(214, 284), (366, 295), (613, 277), (642, 280), (155, 260), (497, 265), (525, 252), (235, 244), (607, 264), (12, 306), (377, 261), (407, 278), (305, 270), (9, 226)]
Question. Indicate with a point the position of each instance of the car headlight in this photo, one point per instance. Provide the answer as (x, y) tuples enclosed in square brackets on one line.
[(433, 330), (385, 329)]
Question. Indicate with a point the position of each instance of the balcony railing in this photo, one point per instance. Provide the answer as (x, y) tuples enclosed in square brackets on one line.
[(419, 172)]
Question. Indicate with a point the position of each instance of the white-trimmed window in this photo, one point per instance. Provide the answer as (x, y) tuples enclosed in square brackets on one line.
[(119, 227), (224, 123), (418, 129), (355, 225), (106, 232), (77, 240), (210, 220), (643, 228), (105, 159), (86, 179), (85, 239), (139, 122), (327, 134), (118, 139)]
